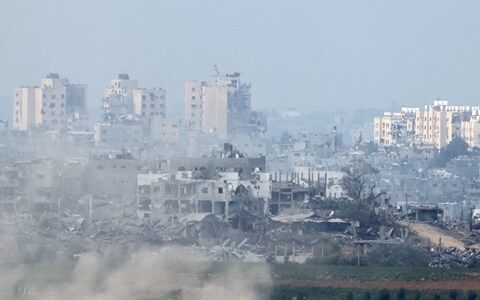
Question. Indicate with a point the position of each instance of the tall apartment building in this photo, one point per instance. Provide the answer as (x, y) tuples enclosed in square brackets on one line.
[(25, 101), (222, 106), (394, 128), (436, 125), (194, 105), (118, 97), (55, 105), (129, 109), (149, 104)]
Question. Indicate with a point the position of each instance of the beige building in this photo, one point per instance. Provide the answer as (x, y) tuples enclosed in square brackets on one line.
[(206, 107), (25, 101), (52, 114), (194, 105), (215, 112), (221, 106), (436, 125), (433, 125), (439, 123), (470, 131), (118, 96), (55, 105), (149, 103), (394, 128), (122, 86)]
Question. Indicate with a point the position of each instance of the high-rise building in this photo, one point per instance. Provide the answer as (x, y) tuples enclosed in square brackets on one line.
[(118, 97), (149, 104), (436, 125), (394, 128), (25, 101), (194, 105), (55, 105), (223, 107)]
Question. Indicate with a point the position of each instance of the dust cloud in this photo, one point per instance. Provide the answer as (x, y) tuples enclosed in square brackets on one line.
[(150, 273)]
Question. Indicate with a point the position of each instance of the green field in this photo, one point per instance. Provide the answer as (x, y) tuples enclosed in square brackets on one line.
[(367, 273)]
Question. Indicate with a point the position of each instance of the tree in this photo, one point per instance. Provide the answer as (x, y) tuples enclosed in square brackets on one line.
[(453, 294), (457, 147), (355, 182), (401, 294), (384, 294), (472, 295), (358, 186), (367, 295), (369, 148), (350, 296)]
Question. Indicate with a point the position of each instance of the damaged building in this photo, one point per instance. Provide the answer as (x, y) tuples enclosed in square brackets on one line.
[(222, 107)]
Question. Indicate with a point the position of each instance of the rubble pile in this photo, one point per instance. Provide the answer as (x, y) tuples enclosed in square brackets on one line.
[(454, 257)]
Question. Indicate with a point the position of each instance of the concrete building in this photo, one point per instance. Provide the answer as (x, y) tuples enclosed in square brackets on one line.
[(165, 130), (115, 176), (225, 161), (436, 125), (118, 97), (393, 128), (470, 130), (148, 104), (25, 101), (194, 105), (127, 134), (56, 105), (223, 107)]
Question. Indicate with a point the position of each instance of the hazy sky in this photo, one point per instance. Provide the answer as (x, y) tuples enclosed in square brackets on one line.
[(308, 54)]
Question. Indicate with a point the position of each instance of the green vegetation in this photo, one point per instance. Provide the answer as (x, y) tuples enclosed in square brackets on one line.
[(314, 293), (368, 273), (457, 147)]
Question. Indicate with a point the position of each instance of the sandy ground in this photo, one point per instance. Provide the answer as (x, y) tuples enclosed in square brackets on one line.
[(464, 285), (433, 234)]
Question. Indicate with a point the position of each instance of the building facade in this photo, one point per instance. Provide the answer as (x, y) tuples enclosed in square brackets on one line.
[(56, 105)]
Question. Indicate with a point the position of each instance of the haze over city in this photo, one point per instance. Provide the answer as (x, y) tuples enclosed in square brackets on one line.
[(242, 150), (312, 54)]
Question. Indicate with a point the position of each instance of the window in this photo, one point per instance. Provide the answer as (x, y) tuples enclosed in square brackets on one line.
[(194, 98), (220, 190), (193, 90), (144, 98)]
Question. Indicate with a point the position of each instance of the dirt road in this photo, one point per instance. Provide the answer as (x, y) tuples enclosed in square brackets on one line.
[(433, 234), (464, 285)]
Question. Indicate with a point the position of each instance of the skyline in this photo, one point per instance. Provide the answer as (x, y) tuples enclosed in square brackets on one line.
[(323, 55)]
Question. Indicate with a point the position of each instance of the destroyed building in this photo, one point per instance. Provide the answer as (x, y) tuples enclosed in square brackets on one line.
[(208, 185)]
